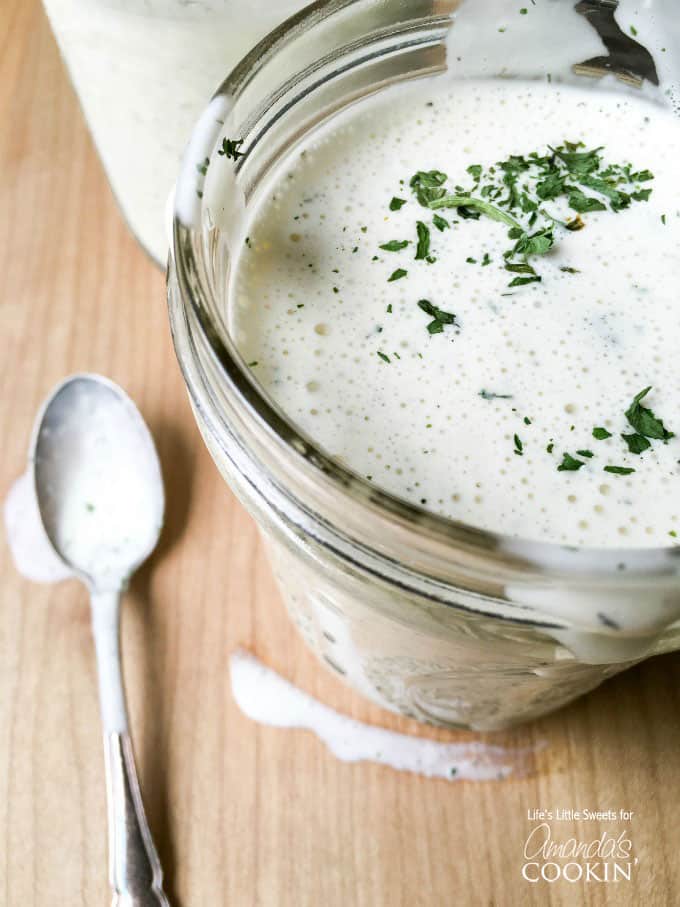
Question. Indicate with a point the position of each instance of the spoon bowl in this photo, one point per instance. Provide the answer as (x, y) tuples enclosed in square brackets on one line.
[(98, 480)]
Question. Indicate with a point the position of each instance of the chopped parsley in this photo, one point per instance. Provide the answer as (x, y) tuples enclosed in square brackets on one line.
[(395, 245), (570, 464), (489, 395), (583, 203), (397, 203), (619, 470), (519, 447), (601, 434), (383, 357), (397, 275), (637, 444), (512, 192), (230, 149), (439, 316), (588, 454), (644, 421), (423, 248), (523, 281)]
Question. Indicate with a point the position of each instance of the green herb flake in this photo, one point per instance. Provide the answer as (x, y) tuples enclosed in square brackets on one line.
[(523, 281), (423, 248), (519, 447), (439, 316), (570, 464), (578, 163), (397, 203), (389, 309), (637, 444), (395, 245), (583, 203), (619, 470), (397, 275), (550, 448), (441, 223), (520, 267), (230, 149), (601, 434), (588, 454), (537, 243), (489, 395), (644, 421), (384, 357)]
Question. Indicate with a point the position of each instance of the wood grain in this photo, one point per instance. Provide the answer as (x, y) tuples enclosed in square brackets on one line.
[(242, 815)]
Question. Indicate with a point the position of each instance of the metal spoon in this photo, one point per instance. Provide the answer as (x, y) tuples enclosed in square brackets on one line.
[(100, 496)]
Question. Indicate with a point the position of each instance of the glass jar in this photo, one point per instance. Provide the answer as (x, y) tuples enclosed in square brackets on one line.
[(426, 616), (143, 70)]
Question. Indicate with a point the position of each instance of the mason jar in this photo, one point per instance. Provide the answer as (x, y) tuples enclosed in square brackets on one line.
[(428, 617), (143, 70)]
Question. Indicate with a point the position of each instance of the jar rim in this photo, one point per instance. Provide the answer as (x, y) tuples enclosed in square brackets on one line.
[(547, 558)]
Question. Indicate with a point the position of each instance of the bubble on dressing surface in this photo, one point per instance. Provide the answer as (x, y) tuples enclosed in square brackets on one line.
[(403, 407)]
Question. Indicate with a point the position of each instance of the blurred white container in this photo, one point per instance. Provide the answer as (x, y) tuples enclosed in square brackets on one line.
[(143, 71)]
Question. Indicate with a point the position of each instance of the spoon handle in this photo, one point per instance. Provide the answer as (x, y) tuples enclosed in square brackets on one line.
[(135, 871)]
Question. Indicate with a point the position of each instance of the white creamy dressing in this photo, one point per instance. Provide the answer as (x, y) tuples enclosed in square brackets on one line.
[(32, 552), (315, 310), (264, 696)]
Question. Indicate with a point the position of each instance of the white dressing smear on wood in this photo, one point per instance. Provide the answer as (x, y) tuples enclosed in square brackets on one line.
[(31, 550), (265, 697)]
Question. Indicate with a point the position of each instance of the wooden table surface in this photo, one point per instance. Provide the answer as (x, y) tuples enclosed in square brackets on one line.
[(242, 815)]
